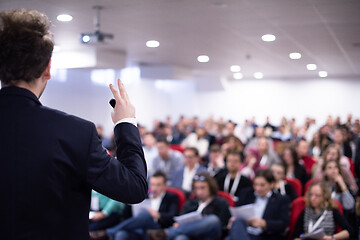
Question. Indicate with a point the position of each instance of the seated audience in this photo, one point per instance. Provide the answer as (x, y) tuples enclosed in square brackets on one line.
[(333, 152), (215, 211), (292, 166), (320, 212), (334, 179), (302, 149), (280, 184), (253, 142), (315, 148), (340, 139), (267, 157), (150, 151), (163, 207), (197, 140), (271, 211), (182, 178), (168, 161), (216, 160), (230, 179), (231, 144), (251, 163), (104, 212)]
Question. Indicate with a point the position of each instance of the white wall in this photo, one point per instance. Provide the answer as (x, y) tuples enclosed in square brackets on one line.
[(316, 98)]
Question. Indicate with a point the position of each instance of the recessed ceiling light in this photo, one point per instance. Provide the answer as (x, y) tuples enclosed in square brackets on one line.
[(258, 75), (203, 58), (323, 74), (235, 68), (64, 18), (295, 55), (56, 48), (238, 75), (268, 37), (152, 44), (311, 67)]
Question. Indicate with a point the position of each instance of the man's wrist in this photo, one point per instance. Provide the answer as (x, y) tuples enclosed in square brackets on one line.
[(127, 120)]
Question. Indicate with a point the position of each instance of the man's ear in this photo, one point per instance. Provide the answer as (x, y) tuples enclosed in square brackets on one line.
[(46, 74)]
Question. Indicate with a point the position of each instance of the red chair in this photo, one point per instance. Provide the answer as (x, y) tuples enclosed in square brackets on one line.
[(227, 197), (308, 183), (298, 205), (296, 184), (180, 194), (352, 167), (177, 147)]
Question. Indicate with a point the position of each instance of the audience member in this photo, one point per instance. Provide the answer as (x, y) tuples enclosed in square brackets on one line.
[(251, 163), (163, 207), (339, 191), (104, 212), (215, 211), (339, 138), (168, 160), (253, 143), (280, 184), (320, 212), (333, 152), (293, 167), (271, 211), (230, 179), (302, 149), (150, 151), (216, 160), (267, 157), (182, 178), (231, 144), (197, 140)]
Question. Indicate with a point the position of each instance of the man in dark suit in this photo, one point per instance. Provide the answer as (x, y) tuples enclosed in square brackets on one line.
[(163, 206), (271, 211), (49, 160), (229, 179)]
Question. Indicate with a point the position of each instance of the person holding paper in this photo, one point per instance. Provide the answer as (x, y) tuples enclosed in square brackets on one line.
[(163, 207), (271, 211), (229, 179), (320, 213), (214, 209)]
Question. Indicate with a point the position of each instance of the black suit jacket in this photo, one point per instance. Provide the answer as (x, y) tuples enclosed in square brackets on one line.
[(244, 182), (276, 214), (49, 163), (169, 207)]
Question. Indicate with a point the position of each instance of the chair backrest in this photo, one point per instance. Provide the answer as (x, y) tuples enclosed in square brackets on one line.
[(227, 197), (352, 167), (296, 184), (298, 205), (177, 147), (180, 194), (309, 182)]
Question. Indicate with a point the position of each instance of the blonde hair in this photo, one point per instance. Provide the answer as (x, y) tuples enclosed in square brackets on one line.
[(327, 202)]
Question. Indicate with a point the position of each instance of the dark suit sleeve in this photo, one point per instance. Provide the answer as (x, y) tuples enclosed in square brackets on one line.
[(122, 179), (290, 192), (279, 224), (166, 217), (190, 205), (224, 212), (299, 227)]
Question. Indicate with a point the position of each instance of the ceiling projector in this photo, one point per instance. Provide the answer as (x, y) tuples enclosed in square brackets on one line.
[(97, 36)]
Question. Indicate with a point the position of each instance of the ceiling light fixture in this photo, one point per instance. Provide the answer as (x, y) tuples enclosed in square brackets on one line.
[(238, 76), (311, 67), (268, 38), (64, 18), (258, 75), (235, 68), (323, 74), (152, 44), (295, 55), (203, 58)]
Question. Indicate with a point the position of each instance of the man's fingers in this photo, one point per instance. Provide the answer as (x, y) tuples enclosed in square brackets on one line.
[(115, 92), (123, 92)]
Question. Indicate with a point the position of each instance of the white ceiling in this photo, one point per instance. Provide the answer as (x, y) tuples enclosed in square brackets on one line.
[(325, 32)]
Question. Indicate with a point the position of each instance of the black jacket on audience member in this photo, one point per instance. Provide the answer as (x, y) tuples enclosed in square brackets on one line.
[(245, 182), (301, 174), (50, 161), (276, 214), (218, 206)]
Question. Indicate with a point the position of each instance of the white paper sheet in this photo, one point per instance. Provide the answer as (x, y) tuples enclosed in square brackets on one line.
[(187, 218), (318, 234), (243, 212)]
